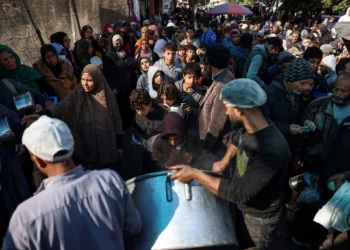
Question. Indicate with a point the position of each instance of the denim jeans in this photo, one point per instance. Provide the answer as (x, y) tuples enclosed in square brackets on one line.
[(261, 231)]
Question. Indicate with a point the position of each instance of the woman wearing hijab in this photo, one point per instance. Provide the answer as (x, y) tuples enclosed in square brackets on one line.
[(146, 34), (119, 69), (83, 51), (55, 71), (143, 50), (86, 33), (126, 41), (12, 68), (61, 52), (92, 114), (63, 39)]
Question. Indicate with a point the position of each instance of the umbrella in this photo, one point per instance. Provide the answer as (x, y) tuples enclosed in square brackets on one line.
[(230, 8)]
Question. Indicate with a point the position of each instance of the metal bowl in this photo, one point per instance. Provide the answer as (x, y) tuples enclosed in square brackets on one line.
[(24, 103), (6, 133)]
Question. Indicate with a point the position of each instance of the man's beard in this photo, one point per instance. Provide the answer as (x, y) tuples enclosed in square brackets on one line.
[(339, 101), (38, 177), (236, 125)]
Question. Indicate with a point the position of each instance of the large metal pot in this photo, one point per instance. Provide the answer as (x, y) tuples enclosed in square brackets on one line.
[(179, 216)]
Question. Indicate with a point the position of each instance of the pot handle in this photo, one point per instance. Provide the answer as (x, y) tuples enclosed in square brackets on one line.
[(188, 193), (168, 189)]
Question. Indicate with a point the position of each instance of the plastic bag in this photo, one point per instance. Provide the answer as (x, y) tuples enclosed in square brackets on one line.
[(309, 195)]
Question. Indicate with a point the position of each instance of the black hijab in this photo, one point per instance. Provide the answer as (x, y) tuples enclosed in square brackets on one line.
[(58, 37), (92, 39), (56, 70)]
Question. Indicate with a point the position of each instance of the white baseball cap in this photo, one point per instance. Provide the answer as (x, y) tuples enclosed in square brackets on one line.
[(46, 137), (171, 24)]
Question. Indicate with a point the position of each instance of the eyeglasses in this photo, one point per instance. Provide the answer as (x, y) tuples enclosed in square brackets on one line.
[(50, 58)]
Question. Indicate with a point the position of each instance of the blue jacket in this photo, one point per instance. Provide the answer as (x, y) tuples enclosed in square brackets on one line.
[(322, 85), (208, 37)]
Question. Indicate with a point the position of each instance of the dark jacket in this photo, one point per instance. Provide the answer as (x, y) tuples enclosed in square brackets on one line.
[(255, 66), (164, 153), (326, 150), (283, 109), (144, 127), (119, 72)]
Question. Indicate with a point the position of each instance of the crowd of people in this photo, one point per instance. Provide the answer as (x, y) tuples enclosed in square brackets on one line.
[(258, 102)]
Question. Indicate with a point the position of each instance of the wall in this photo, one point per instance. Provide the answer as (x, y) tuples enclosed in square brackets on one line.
[(17, 31)]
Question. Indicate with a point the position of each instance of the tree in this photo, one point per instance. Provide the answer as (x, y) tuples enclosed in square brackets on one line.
[(336, 6)]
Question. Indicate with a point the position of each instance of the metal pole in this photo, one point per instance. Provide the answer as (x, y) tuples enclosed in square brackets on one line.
[(26, 6), (71, 10), (76, 14)]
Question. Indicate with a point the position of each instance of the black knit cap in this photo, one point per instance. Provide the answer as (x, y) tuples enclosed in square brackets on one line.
[(298, 69), (246, 40), (218, 55)]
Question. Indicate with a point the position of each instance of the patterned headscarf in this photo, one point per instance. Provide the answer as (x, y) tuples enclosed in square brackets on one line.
[(94, 120)]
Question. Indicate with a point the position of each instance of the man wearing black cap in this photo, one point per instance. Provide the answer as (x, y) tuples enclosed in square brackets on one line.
[(285, 106), (212, 116)]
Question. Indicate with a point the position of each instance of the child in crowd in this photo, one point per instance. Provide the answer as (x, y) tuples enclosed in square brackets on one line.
[(191, 55), (181, 55), (171, 71), (206, 75), (168, 94), (146, 125), (202, 52), (173, 146), (155, 79), (144, 64), (191, 95)]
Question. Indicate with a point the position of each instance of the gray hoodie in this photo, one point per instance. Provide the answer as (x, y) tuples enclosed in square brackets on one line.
[(151, 72)]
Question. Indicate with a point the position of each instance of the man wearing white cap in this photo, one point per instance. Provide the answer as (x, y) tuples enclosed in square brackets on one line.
[(262, 155), (72, 209)]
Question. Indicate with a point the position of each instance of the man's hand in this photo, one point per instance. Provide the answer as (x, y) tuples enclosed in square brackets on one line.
[(188, 108), (314, 178), (121, 54), (294, 129), (27, 120), (219, 166), (184, 173), (338, 179), (310, 123)]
